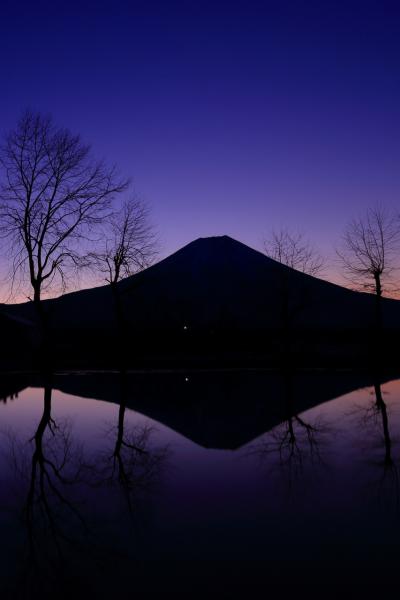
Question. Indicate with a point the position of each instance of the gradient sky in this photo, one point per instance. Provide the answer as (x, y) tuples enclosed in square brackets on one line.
[(231, 117)]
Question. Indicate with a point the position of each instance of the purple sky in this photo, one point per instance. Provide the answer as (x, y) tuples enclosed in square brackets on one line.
[(231, 117)]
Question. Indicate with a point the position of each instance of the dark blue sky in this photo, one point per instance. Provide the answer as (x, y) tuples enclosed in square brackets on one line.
[(231, 117)]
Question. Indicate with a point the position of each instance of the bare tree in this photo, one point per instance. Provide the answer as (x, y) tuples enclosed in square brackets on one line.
[(130, 244), (52, 197), (293, 250), (369, 249)]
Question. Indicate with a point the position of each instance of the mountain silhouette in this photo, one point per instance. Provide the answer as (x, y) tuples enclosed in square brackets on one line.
[(216, 288), (217, 282)]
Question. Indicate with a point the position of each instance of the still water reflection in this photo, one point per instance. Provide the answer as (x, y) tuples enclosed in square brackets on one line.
[(105, 475)]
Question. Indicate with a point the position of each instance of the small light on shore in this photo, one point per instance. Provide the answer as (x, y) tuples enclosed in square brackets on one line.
[(185, 327), (186, 378)]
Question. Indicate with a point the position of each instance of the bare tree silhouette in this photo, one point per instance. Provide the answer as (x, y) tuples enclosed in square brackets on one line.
[(369, 251), (293, 250), (130, 243), (53, 196)]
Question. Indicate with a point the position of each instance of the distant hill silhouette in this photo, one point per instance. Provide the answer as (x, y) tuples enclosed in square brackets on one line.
[(214, 286)]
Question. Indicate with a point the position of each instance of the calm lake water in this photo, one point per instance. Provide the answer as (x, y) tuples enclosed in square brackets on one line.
[(156, 482)]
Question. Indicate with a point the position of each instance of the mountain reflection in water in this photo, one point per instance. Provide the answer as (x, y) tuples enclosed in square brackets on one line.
[(110, 478)]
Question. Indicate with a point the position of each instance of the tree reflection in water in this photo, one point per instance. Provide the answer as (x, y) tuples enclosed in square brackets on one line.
[(128, 462), (375, 419), (296, 442), (52, 470), (57, 486)]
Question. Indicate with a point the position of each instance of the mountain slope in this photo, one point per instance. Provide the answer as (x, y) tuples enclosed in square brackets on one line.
[(218, 283)]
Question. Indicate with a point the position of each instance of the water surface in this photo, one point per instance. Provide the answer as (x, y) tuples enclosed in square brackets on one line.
[(145, 481)]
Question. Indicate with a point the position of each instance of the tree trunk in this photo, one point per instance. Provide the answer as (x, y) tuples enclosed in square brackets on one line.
[(378, 301), (121, 327), (38, 305), (36, 293), (45, 355)]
